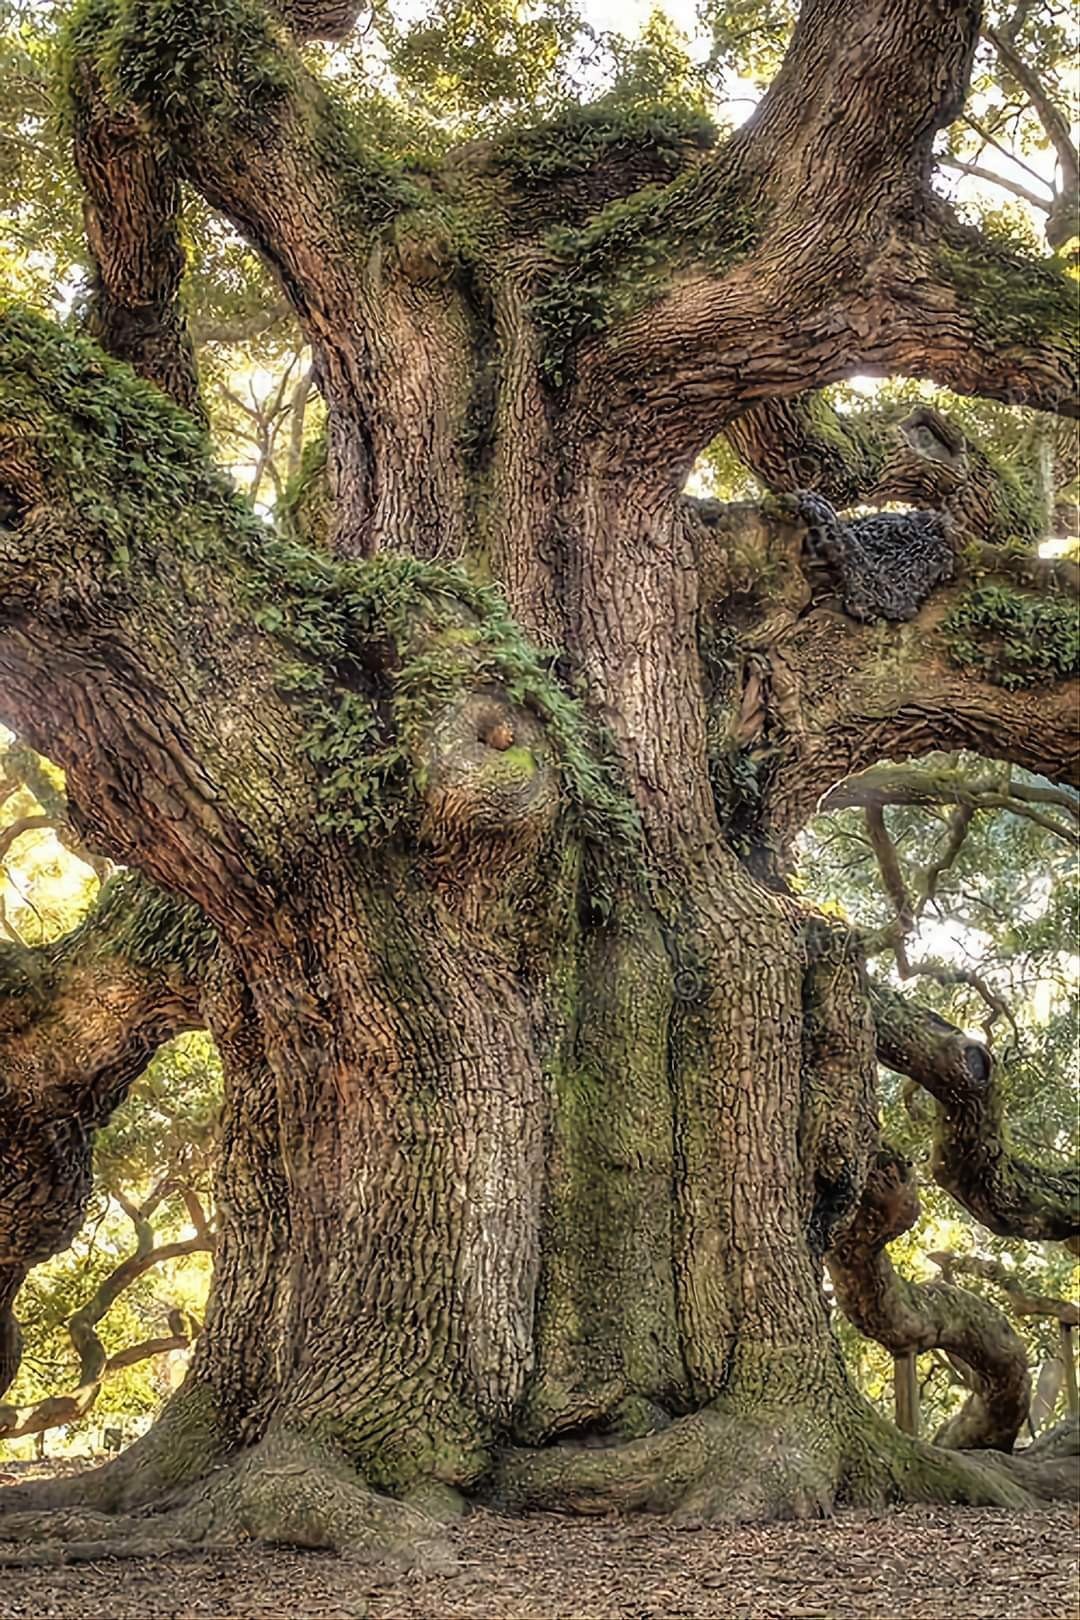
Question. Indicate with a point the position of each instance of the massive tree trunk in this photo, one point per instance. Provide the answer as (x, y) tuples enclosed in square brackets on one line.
[(545, 1099)]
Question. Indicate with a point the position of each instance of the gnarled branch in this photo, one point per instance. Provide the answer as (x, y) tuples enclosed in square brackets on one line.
[(95, 1364), (79, 1021), (908, 1318), (972, 1157), (872, 457)]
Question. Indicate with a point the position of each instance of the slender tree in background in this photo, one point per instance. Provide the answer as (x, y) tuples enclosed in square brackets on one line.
[(461, 807)]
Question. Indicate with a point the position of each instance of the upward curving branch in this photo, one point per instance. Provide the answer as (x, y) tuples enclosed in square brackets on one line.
[(853, 263), (908, 1318)]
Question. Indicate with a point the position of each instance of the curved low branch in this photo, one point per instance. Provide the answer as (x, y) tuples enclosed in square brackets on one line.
[(972, 1157), (1021, 1300), (908, 1318), (841, 695), (79, 1021), (95, 1364)]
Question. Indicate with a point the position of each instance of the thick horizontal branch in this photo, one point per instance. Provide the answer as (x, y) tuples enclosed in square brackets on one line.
[(977, 315), (873, 457), (972, 1156), (985, 663), (909, 1318), (850, 263)]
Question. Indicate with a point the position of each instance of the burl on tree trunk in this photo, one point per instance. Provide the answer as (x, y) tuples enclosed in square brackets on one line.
[(545, 1100)]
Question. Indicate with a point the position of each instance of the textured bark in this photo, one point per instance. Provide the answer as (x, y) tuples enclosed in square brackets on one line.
[(917, 458), (544, 1098), (908, 1318), (972, 1158)]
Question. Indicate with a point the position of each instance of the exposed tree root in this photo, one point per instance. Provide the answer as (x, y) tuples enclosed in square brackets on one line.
[(717, 1466), (183, 1446), (288, 1490), (711, 1466)]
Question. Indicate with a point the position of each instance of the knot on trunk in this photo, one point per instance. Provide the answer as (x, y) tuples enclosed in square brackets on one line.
[(487, 769)]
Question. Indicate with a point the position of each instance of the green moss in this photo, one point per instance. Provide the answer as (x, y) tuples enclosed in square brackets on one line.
[(304, 512), (626, 256), (445, 634), (197, 73), (1016, 294), (583, 136), (113, 454), (369, 651), (210, 65), (147, 928), (1014, 640)]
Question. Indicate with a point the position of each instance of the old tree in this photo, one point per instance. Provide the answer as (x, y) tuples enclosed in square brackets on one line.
[(459, 808)]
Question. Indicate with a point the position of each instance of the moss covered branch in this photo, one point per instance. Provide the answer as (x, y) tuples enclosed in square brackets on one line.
[(223, 91), (872, 457), (988, 662)]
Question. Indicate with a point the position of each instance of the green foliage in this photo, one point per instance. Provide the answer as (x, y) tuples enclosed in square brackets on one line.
[(1009, 906), (626, 255), (1029, 305), (132, 470), (578, 137), (1012, 639), (168, 1122), (148, 928), (192, 64), (748, 36)]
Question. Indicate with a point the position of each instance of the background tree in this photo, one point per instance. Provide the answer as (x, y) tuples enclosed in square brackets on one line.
[(546, 1094)]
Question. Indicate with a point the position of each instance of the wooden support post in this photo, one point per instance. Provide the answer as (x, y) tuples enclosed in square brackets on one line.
[(1071, 1393), (906, 1385)]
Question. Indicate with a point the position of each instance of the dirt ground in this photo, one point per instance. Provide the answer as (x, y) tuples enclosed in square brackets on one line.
[(913, 1564)]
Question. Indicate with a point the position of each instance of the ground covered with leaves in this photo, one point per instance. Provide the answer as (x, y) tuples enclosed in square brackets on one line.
[(916, 1563)]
